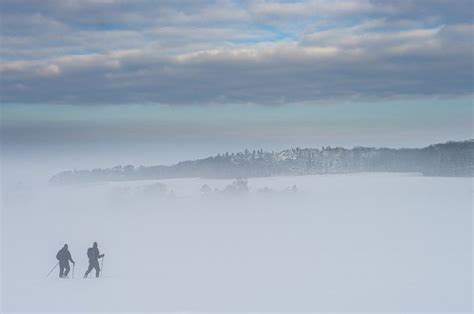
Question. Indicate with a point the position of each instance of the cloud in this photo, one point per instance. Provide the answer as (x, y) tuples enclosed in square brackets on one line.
[(311, 8), (178, 52)]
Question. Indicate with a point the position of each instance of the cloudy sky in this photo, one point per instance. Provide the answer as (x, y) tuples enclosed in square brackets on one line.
[(110, 75)]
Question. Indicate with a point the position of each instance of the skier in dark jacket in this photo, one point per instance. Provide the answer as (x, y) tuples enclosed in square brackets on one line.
[(64, 256), (93, 254)]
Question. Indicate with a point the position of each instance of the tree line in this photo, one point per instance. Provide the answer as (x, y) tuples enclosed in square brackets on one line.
[(448, 159)]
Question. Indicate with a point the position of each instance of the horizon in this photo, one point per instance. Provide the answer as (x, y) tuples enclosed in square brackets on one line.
[(300, 148), (139, 134), (442, 159)]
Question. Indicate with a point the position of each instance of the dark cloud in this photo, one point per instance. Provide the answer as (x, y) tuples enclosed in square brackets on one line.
[(443, 11), (185, 52)]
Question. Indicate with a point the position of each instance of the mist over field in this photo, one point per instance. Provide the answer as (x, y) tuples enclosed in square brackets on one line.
[(300, 230), (356, 242)]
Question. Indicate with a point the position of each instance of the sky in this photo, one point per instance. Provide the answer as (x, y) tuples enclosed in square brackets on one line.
[(160, 81)]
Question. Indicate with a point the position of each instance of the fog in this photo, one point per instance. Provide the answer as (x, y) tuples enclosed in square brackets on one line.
[(341, 133), (361, 242)]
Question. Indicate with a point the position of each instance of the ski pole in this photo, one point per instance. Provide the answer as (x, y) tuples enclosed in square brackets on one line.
[(101, 266), (73, 266), (52, 269)]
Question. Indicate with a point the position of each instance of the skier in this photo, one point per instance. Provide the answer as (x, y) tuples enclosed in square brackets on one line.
[(64, 256), (93, 254)]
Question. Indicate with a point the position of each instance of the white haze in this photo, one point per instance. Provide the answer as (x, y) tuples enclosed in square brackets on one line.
[(361, 242)]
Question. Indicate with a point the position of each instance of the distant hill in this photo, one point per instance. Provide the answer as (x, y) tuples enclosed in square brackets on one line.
[(453, 159)]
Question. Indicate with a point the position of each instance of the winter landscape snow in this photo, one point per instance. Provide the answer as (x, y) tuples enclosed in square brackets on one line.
[(381, 242), (237, 156)]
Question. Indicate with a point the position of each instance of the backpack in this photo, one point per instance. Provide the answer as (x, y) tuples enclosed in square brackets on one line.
[(58, 256), (90, 252)]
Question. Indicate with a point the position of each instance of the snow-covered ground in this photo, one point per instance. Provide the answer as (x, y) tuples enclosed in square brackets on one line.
[(361, 242)]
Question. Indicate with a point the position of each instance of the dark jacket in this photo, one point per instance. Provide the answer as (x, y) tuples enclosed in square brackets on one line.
[(93, 254), (64, 255)]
